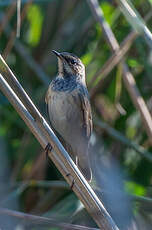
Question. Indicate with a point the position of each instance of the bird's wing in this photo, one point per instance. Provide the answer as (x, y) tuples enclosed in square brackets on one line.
[(83, 161), (87, 115)]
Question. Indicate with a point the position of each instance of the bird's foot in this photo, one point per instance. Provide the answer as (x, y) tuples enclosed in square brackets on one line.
[(47, 149), (73, 181)]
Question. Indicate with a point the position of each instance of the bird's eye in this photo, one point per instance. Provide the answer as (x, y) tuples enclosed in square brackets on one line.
[(73, 62)]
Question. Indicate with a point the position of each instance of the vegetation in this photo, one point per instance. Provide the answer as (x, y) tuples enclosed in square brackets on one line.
[(121, 101)]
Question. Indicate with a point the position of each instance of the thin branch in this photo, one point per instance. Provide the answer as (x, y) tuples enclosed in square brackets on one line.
[(8, 2), (115, 58), (134, 198), (23, 52), (36, 68), (18, 18), (12, 37), (7, 16), (44, 134), (14, 194), (135, 20), (127, 76), (41, 221), (44, 184), (142, 199), (120, 137), (138, 101), (22, 186)]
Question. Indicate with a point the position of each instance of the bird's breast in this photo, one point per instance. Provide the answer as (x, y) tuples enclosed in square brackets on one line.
[(67, 116), (63, 110), (59, 105)]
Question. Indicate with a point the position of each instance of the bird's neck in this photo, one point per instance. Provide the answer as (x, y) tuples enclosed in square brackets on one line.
[(66, 83), (72, 77)]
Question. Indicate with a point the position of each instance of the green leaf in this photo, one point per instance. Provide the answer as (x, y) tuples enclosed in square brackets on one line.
[(134, 188), (108, 11), (35, 18), (130, 132), (133, 63), (86, 58), (150, 1)]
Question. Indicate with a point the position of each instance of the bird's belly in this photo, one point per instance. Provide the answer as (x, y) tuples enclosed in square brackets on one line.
[(64, 116)]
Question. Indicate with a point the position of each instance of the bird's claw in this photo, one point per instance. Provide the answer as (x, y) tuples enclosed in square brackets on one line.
[(71, 186), (47, 149)]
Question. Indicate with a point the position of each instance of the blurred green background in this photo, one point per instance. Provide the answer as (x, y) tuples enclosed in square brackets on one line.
[(66, 25)]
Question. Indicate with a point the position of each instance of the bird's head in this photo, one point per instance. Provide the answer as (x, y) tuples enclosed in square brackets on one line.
[(70, 65)]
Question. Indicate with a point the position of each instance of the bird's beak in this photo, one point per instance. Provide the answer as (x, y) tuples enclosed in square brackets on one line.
[(57, 53)]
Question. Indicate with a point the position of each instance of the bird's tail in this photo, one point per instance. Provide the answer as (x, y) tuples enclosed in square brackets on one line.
[(81, 159), (83, 164)]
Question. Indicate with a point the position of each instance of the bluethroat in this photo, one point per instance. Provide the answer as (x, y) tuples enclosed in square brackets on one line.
[(70, 111)]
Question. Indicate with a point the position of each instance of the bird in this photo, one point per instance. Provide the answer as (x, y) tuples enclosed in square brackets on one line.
[(69, 110)]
